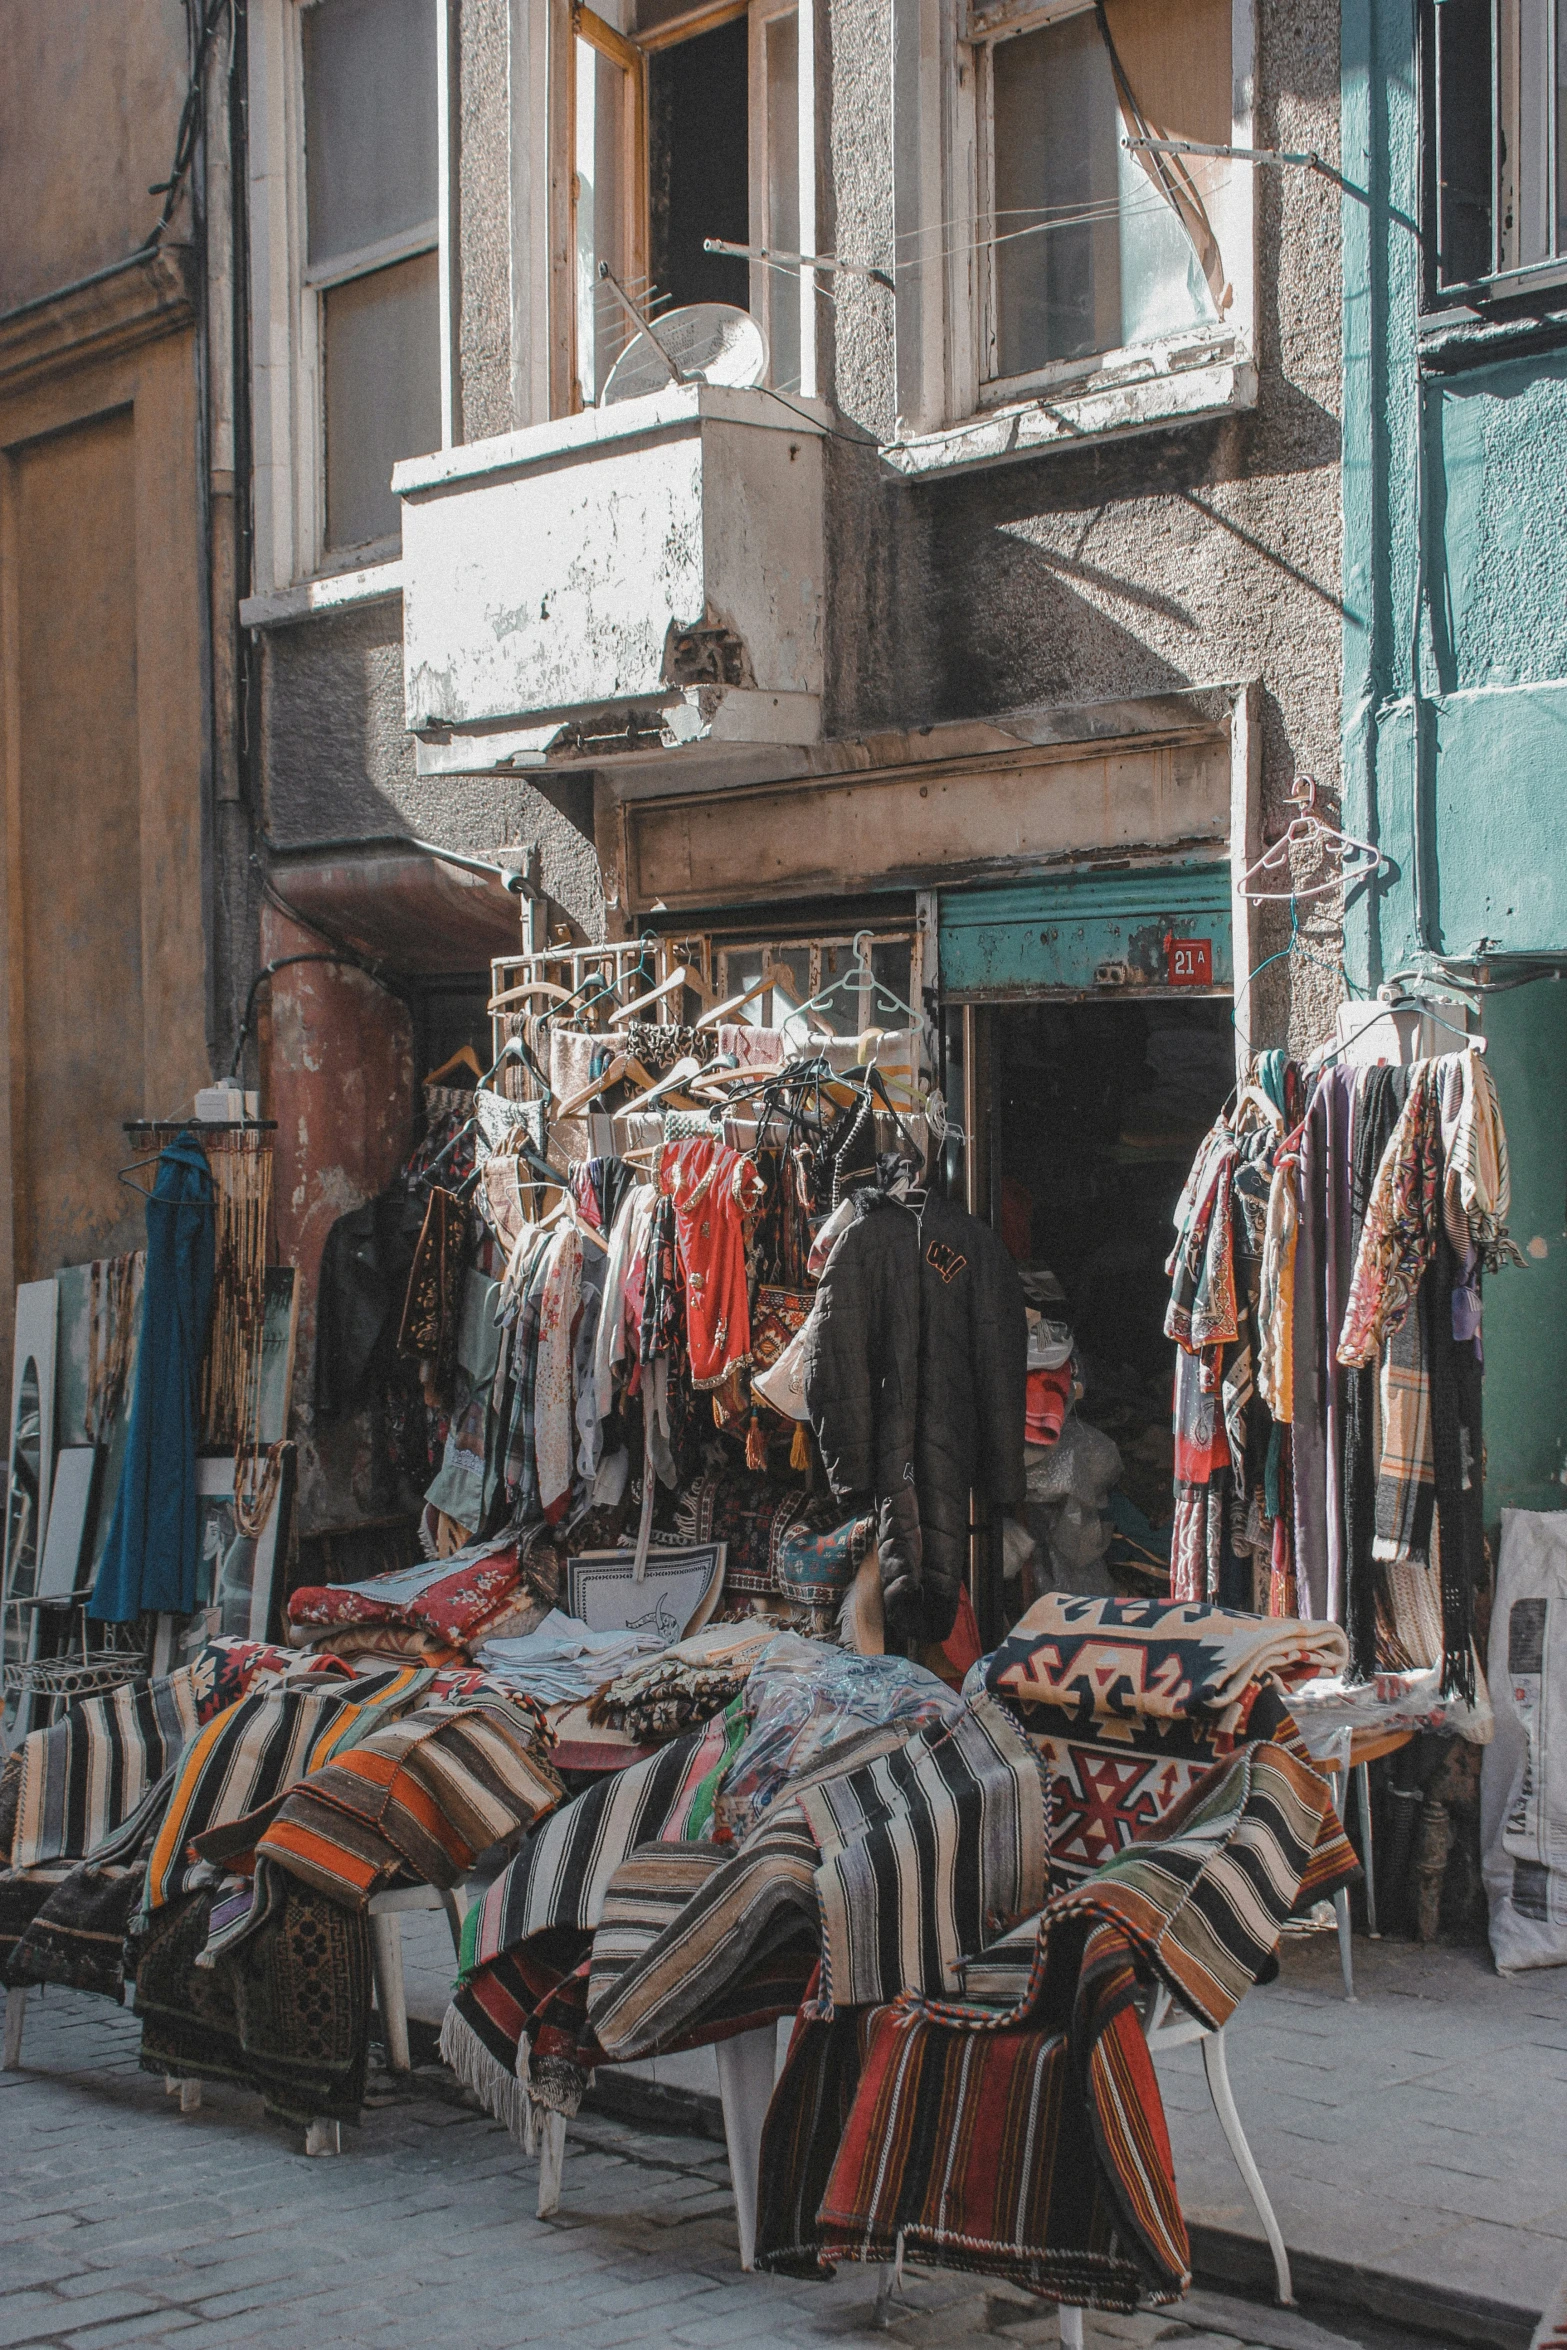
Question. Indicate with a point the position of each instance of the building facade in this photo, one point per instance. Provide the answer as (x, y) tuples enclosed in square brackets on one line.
[(118, 629), (991, 605), (1455, 572)]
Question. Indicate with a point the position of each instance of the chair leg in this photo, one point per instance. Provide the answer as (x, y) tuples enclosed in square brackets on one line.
[(386, 1951), (1363, 1785), (190, 2097), (323, 2137), (453, 1909), (552, 2156), (1218, 2072), (1071, 2327), (746, 2065), (15, 2017), (1346, 1961)]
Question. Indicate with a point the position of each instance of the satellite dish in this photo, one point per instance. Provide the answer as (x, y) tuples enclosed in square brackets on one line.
[(710, 342)]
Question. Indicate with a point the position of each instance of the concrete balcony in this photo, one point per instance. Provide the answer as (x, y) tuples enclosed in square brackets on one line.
[(641, 583)]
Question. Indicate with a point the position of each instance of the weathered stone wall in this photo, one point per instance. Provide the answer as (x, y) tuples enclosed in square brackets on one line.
[(484, 241), (1202, 554), (339, 762)]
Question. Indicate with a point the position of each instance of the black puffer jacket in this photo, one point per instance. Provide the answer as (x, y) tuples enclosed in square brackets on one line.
[(915, 1368)]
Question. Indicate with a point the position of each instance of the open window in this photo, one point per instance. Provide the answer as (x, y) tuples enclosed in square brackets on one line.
[(1495, 93), (1094, 247), (1060, 229), (683, 126)]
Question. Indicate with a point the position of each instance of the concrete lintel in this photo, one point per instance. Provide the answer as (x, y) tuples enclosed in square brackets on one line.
[(1114, 411), (1187, 712)]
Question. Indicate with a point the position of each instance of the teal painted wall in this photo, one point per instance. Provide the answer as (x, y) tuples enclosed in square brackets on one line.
[(1526, 1308), (1455, 702)]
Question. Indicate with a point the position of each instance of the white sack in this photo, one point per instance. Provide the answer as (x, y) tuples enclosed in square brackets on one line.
[(1523, 1778)]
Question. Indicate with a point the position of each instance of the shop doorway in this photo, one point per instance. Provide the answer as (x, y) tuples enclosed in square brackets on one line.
[(1093, 1114)]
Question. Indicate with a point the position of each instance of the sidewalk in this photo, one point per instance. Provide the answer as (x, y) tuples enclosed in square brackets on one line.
[(1412, 2143), (124, 2221), (1418, 2135)]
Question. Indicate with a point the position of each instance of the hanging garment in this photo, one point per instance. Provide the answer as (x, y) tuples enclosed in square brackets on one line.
[(1308, 1426), (713, 1188), (560, 1302), (1337, 1096), (614, 1343), (432, 1312), (1399, 1230), (1202, 1297), (364, 1281), (1478, 1186), (1380, 1095), (1276, 1298), (915, 1378), (150, 1559), (528, 1271)]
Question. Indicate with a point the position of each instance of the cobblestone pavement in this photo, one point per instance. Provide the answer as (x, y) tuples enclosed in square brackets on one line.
[(123, 2220)]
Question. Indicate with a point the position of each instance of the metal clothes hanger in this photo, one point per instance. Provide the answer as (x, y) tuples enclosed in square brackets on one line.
[(145, 1189)]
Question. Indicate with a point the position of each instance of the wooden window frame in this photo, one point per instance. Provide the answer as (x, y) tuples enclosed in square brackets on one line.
[(943, 175), (572, 20)]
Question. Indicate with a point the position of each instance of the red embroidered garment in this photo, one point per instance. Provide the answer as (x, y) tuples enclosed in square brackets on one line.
[(713, 1189)]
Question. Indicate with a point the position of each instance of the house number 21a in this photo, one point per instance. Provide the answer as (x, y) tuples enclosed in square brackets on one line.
[(1189, 961)]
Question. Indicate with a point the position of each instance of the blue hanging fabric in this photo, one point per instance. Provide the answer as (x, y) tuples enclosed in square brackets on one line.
[(1270, 1076), (149, 1561)]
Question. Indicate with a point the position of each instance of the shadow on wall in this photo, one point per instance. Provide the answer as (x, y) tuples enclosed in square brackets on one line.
[(1071, 578)]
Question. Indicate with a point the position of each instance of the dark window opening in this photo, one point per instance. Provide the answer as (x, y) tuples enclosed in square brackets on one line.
[(1493, 74), (699, 166)]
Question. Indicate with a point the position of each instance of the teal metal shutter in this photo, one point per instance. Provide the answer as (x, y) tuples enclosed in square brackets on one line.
[(1165, 932)]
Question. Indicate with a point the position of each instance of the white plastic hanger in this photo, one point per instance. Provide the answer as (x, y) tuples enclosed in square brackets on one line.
[(862, 979), (1356, 859)]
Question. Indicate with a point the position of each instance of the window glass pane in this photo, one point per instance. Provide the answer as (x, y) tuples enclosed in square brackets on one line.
[(1525, 120), (1162, 285), (1462, 33), (1088, 255), (781, 52), (602, 326), (381, 338), (370, 98)]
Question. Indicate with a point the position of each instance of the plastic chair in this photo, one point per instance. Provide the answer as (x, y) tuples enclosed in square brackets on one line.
[(387, 1911), (1162, 2037)]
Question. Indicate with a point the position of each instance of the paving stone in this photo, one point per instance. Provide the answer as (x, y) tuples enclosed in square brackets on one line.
[(215, 2228)]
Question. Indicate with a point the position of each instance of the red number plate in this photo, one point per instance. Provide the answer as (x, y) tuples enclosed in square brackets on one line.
[(1190, 961)]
